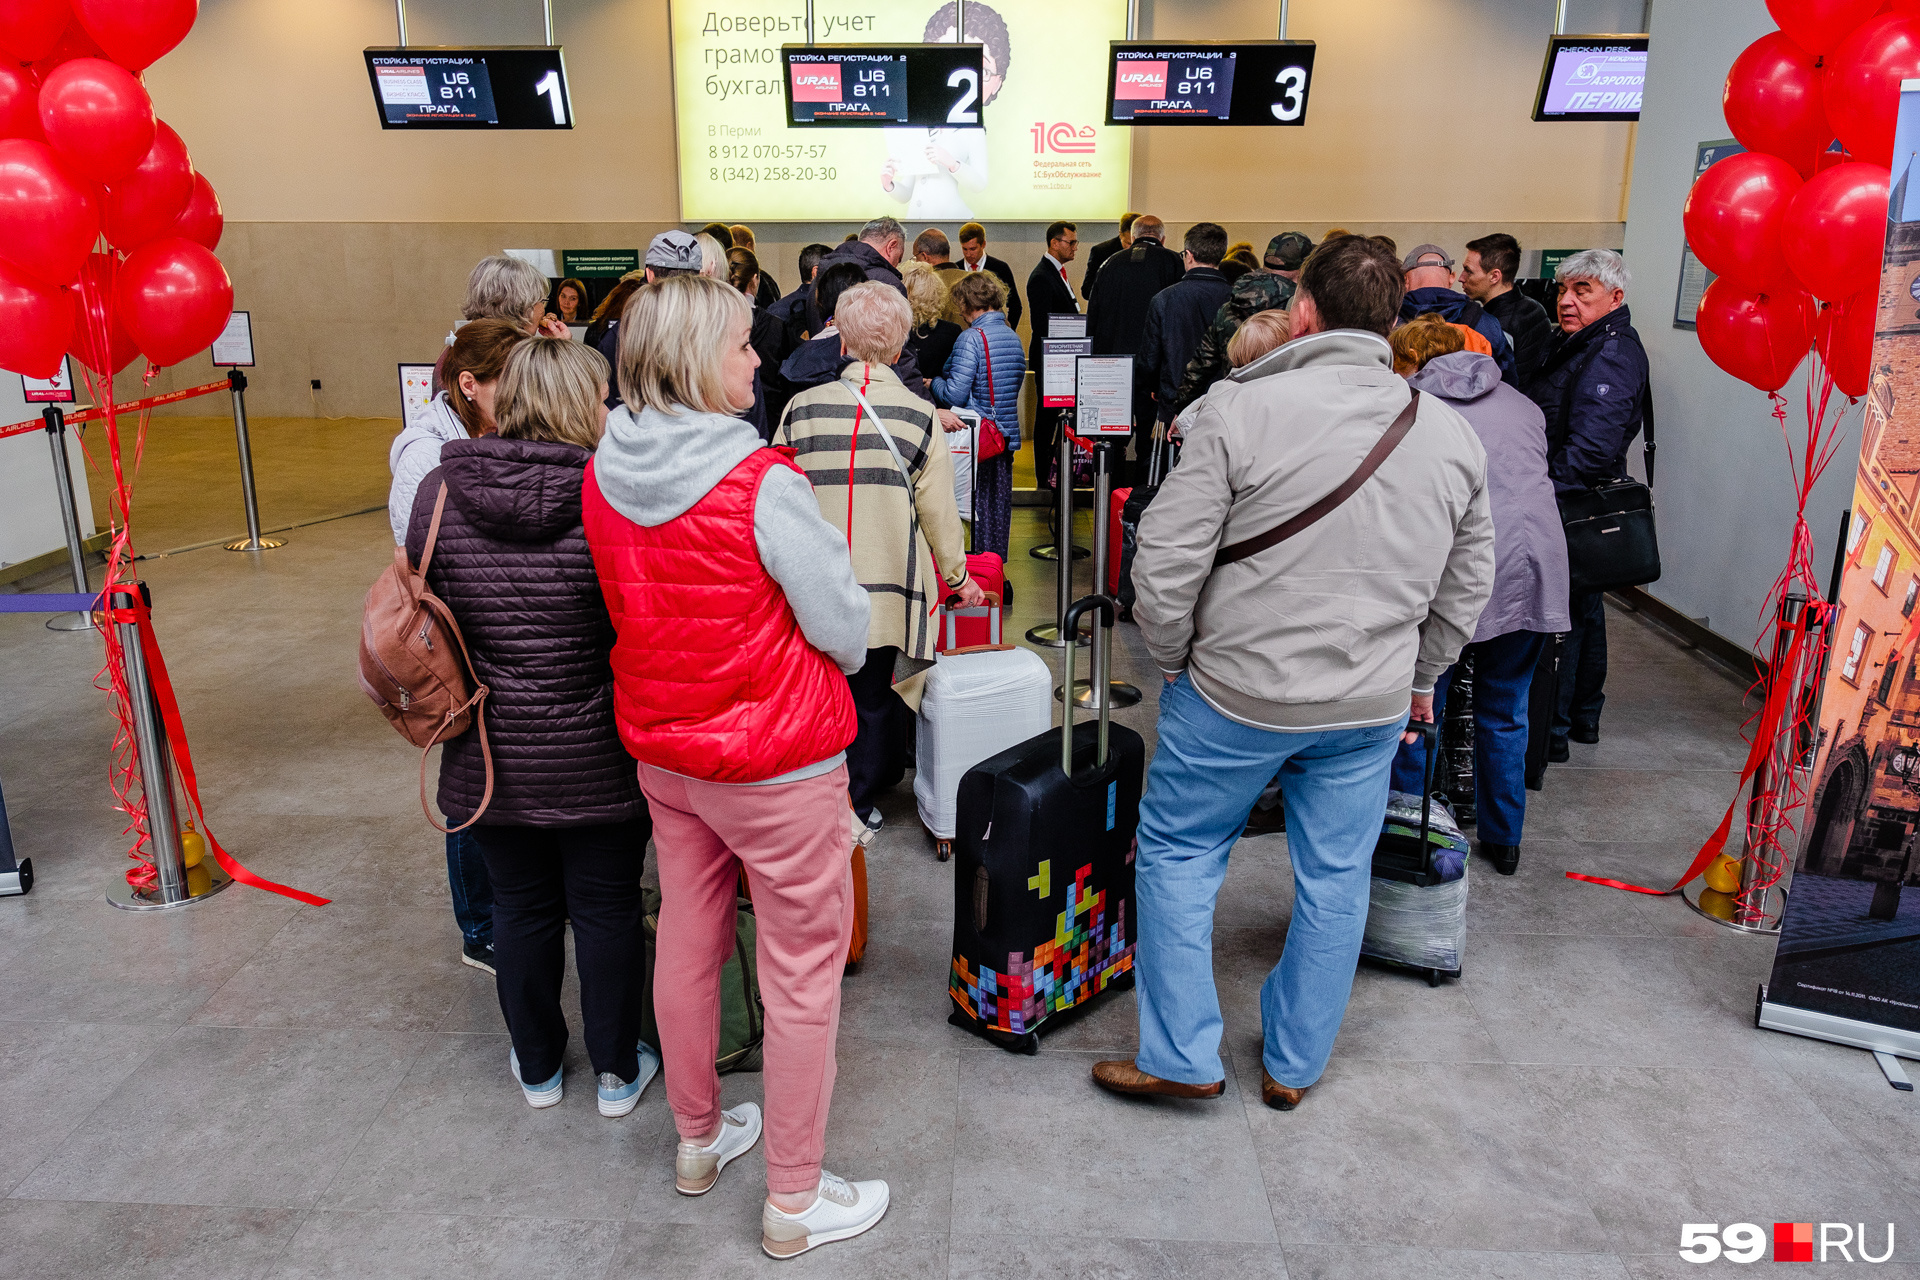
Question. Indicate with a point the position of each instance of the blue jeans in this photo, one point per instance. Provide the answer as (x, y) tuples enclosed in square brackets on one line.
[(472, 890), (1502, 678), (1205, 776)]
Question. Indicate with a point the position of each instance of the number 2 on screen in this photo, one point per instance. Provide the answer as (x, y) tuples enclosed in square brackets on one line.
[(962, 112), (549, 84), (1295, 80)]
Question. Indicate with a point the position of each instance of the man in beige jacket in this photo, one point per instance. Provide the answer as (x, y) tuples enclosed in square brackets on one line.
[(1303, 657)]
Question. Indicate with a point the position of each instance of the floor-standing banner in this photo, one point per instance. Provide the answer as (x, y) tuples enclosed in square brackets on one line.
[(1848, 965)]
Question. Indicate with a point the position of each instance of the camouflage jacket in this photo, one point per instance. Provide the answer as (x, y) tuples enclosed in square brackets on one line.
[(1254, 291)]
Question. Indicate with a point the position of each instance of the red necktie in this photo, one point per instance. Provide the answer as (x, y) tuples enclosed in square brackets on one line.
[(1064, 280)]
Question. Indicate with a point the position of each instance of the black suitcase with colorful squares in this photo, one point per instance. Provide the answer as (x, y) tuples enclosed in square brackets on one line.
[(1043, 899)]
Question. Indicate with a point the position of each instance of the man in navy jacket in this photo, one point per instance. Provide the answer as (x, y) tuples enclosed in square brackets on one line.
[(1430, 280), (1593, 389)]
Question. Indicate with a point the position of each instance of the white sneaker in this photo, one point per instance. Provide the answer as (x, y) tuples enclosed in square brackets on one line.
[(842, 1211), (697, 1168)]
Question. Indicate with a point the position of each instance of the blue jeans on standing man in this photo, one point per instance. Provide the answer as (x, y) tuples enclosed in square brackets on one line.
[(1206, 774), (472, 890), (1502, 678)]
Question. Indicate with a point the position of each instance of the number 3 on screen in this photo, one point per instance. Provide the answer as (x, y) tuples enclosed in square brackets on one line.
[(962, 112), (549, 84), (1295, 80)]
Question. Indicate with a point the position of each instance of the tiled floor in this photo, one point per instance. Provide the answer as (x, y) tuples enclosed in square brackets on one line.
[(251, 1088)]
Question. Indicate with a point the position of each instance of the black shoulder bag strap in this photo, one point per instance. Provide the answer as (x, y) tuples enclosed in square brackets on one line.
[(1368, 465), (1646, 426)]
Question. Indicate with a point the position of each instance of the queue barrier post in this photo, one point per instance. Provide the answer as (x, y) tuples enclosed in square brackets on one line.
[(1052, 634), (237, 384), (1118, 692), (69, 520), (1051, 550), (173, 888)]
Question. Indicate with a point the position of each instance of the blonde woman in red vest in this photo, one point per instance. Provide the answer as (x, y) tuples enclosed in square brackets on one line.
[(737, 618)]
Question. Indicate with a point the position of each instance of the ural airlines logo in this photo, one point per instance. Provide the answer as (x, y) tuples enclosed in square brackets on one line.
[(816, 84), (1146, 80), (1063, 138)]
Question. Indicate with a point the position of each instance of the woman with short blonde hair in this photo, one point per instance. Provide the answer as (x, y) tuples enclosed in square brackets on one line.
[(1259, 333), (671, 341), (927, 294), (713, 255), (873, 320), (553, 390), (736, 617)]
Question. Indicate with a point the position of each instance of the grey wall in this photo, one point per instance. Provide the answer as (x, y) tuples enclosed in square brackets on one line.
[(1721, 481)]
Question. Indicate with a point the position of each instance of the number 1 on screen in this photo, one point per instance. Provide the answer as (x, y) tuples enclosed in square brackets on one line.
[(549, 84)]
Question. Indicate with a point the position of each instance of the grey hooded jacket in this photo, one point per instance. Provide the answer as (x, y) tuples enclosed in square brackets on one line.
[(1336, 627), (1529, 542)]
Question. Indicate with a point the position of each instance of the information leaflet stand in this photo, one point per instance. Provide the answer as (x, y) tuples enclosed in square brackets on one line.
[(232, 350), (1103, 411), (53, 392), (1057, 357)]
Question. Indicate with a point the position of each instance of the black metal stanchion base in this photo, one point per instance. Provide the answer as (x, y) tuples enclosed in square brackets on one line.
[(70, 622)]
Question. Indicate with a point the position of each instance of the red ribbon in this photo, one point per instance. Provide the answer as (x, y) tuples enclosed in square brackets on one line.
[(141, 615), (99, 411)]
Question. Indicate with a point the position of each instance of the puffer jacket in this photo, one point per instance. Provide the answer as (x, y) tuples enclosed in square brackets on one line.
[(415, 452), (1593, 389), (1457, 308), (965, 385), (1253, 292), (1531, 329), (512, 563)]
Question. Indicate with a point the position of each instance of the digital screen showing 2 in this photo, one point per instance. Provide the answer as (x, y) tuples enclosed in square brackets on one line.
[(510, 87), (1260, 82), (853, 85)]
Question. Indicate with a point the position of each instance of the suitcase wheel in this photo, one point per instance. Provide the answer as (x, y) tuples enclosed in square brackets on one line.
[(943, 850), (1433, 977)]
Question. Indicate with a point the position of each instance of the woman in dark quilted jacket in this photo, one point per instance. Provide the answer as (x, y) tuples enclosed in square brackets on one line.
[(566, 830)]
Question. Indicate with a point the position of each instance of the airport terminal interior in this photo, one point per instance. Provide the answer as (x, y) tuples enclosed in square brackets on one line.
[(1606, 1080)]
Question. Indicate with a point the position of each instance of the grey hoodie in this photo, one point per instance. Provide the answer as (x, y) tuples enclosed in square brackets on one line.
[(1336, 627), (1529, 542), (653, 467)]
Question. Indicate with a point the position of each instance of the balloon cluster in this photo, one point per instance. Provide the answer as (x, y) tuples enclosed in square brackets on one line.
[(1793, 219), (83, 158)]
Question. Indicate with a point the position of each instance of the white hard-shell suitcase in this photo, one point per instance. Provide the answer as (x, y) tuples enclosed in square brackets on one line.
[(977, 703)]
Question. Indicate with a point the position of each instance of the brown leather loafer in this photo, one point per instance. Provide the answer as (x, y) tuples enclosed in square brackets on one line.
[(1277, 1095), (1124, 1077)]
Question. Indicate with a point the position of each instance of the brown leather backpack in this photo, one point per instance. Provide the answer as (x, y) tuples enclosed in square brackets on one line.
[(410, 668)]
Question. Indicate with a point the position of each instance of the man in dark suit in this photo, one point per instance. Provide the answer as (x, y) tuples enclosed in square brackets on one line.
[(1098, 255), (1117, 312), (973, 257), (1049, 291)]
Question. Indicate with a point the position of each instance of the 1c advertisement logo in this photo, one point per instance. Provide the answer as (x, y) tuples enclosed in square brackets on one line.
[(1792, 1242)]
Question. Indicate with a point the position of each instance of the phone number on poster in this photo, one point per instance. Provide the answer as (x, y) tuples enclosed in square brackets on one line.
[(767, 151), (773, 175)]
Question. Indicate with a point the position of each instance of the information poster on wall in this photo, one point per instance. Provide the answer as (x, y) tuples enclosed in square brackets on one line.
[(1041, 150), (1849, 952), (1694, 276)]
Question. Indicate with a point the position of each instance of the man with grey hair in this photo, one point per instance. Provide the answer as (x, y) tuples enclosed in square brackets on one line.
[(1593, 389), (877, 252)]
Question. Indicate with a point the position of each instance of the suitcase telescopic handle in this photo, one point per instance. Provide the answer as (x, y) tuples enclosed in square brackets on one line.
[(1430, 729), (1069, 630)]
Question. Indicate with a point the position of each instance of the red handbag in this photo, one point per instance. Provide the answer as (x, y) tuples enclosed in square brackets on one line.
[(992, 442)]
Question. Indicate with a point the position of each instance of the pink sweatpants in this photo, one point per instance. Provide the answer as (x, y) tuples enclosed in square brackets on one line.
[(793, 839)]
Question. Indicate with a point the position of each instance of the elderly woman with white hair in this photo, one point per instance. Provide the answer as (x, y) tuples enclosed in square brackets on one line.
[(1593, 389), (884, 478)]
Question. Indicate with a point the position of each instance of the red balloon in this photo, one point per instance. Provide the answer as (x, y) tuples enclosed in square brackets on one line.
[(29, 28), (1819, 25), (135, 33), (99, 321), (1843, 334), (1862, 83), (20, 104), (145, 204), (1834, 230), (201, 221), (48, 220), (73, 43), (174, 297), (97, 118), (1732, 219), (1758, 338), (1772, 102), (34, 324)]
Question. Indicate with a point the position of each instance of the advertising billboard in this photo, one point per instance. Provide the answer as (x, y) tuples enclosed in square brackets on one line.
[(1040, 150)]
